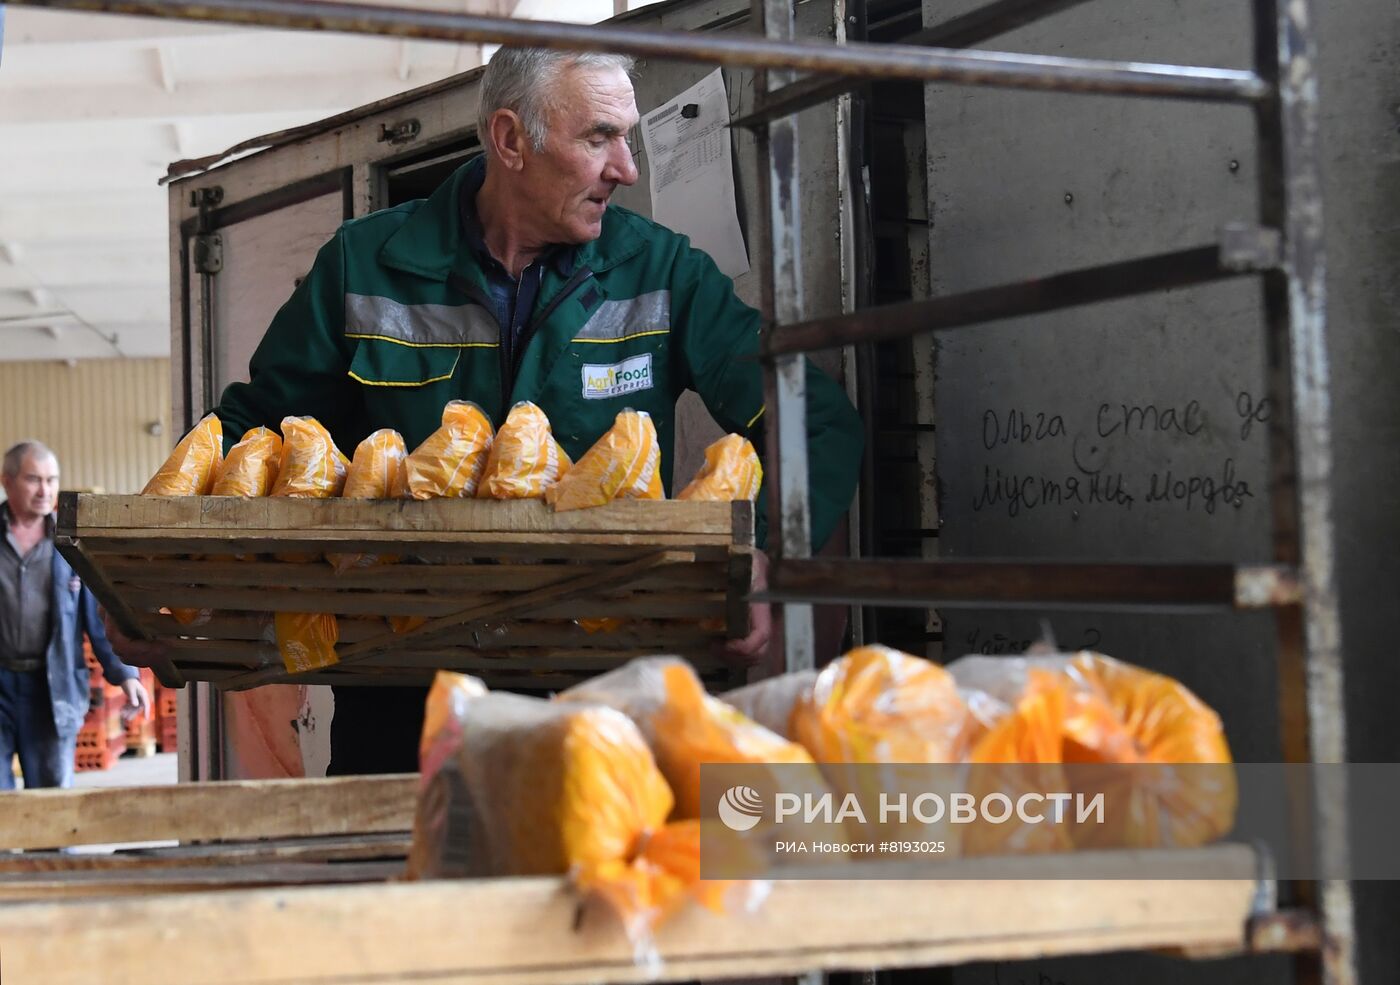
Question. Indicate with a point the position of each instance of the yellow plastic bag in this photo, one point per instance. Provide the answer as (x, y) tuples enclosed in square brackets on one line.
[(684, 725), (376, 472), (731, 471), (513, 785), (306, 640), (524, 460), (1154, 749), (449, 462), (252, 464), (193, 465), (312, 465), (625, 463)]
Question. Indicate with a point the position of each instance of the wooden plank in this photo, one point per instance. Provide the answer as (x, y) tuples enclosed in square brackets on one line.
[(387, 518), (213, 653), (242, 875), (657, 637), (91, 574), (523, 931), (523, 602), (657, 605), (498, 608), (341, 848), (144, 542), (229, 810), (145, 573)]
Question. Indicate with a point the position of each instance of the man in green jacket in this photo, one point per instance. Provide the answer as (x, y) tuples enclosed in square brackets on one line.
[(517, 280)]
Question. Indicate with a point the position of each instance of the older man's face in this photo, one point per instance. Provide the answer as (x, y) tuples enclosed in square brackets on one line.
[(585, 156), (34, 491)]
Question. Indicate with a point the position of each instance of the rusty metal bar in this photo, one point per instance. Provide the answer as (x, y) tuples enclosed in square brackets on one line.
[(1312, 707), (1182, 268), (1011, 583), (996, 18), (874, 61), (785, 380)]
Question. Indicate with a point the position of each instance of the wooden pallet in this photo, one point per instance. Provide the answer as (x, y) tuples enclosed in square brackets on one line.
[(500, 583)]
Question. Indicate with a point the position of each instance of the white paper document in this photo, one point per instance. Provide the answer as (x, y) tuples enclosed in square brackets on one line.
[(689, 164)]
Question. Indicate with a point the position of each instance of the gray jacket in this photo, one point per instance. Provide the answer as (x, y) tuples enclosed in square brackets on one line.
[(74, 613)]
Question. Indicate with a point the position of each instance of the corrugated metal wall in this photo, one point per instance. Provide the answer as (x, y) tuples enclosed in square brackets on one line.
[(95, 414)]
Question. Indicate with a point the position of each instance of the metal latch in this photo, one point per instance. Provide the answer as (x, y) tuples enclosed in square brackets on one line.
[(208, 253), (400, 133)]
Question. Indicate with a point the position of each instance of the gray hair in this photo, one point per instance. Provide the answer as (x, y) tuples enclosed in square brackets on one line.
[(15, 457), (522, 81)]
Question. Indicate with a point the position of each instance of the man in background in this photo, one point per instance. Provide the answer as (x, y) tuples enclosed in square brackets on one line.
[(44, 611)]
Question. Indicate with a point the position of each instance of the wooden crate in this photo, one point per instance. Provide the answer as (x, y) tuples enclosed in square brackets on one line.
[(500, 583)]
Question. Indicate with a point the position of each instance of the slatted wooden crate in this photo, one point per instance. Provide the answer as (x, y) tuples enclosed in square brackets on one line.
[(500, 583)]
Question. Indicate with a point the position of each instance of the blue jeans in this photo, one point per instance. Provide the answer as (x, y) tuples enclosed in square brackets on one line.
[(26, 727)]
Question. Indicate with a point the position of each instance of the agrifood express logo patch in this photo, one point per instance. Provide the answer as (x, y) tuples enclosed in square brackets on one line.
[(616, 379)]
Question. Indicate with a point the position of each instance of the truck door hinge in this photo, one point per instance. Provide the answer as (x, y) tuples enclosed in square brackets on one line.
[(208, 253)]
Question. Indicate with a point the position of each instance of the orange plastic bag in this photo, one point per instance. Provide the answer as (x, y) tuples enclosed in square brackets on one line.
[(878, 705), (513, 785), (306, 640), (1022, 753), (376, 472), (524, 460), (252, 465), (625, 463), (875, 705), (449, 462), (1155, 750), (684, 725), (194, 464), (312, 465), (731, 471)]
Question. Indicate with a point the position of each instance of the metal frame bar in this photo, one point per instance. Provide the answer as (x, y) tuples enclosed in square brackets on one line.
[(785, 385), (964, 31), (1042, 584), (1311, 687), (1199, 265), (865, 60)]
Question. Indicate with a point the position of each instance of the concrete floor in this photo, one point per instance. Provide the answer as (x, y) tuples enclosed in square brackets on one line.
[(133, 771)]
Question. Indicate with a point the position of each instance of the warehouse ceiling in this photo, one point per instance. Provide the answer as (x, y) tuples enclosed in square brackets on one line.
[(94, 108)]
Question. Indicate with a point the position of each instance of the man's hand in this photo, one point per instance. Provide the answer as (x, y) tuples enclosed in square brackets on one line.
[(138, 702), (143, 653), (752, 650)]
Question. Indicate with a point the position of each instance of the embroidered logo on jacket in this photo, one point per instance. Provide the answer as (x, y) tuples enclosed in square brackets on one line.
[(616, 379)]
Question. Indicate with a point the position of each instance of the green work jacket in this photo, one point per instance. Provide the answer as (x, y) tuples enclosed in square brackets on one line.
[(394, 320)]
